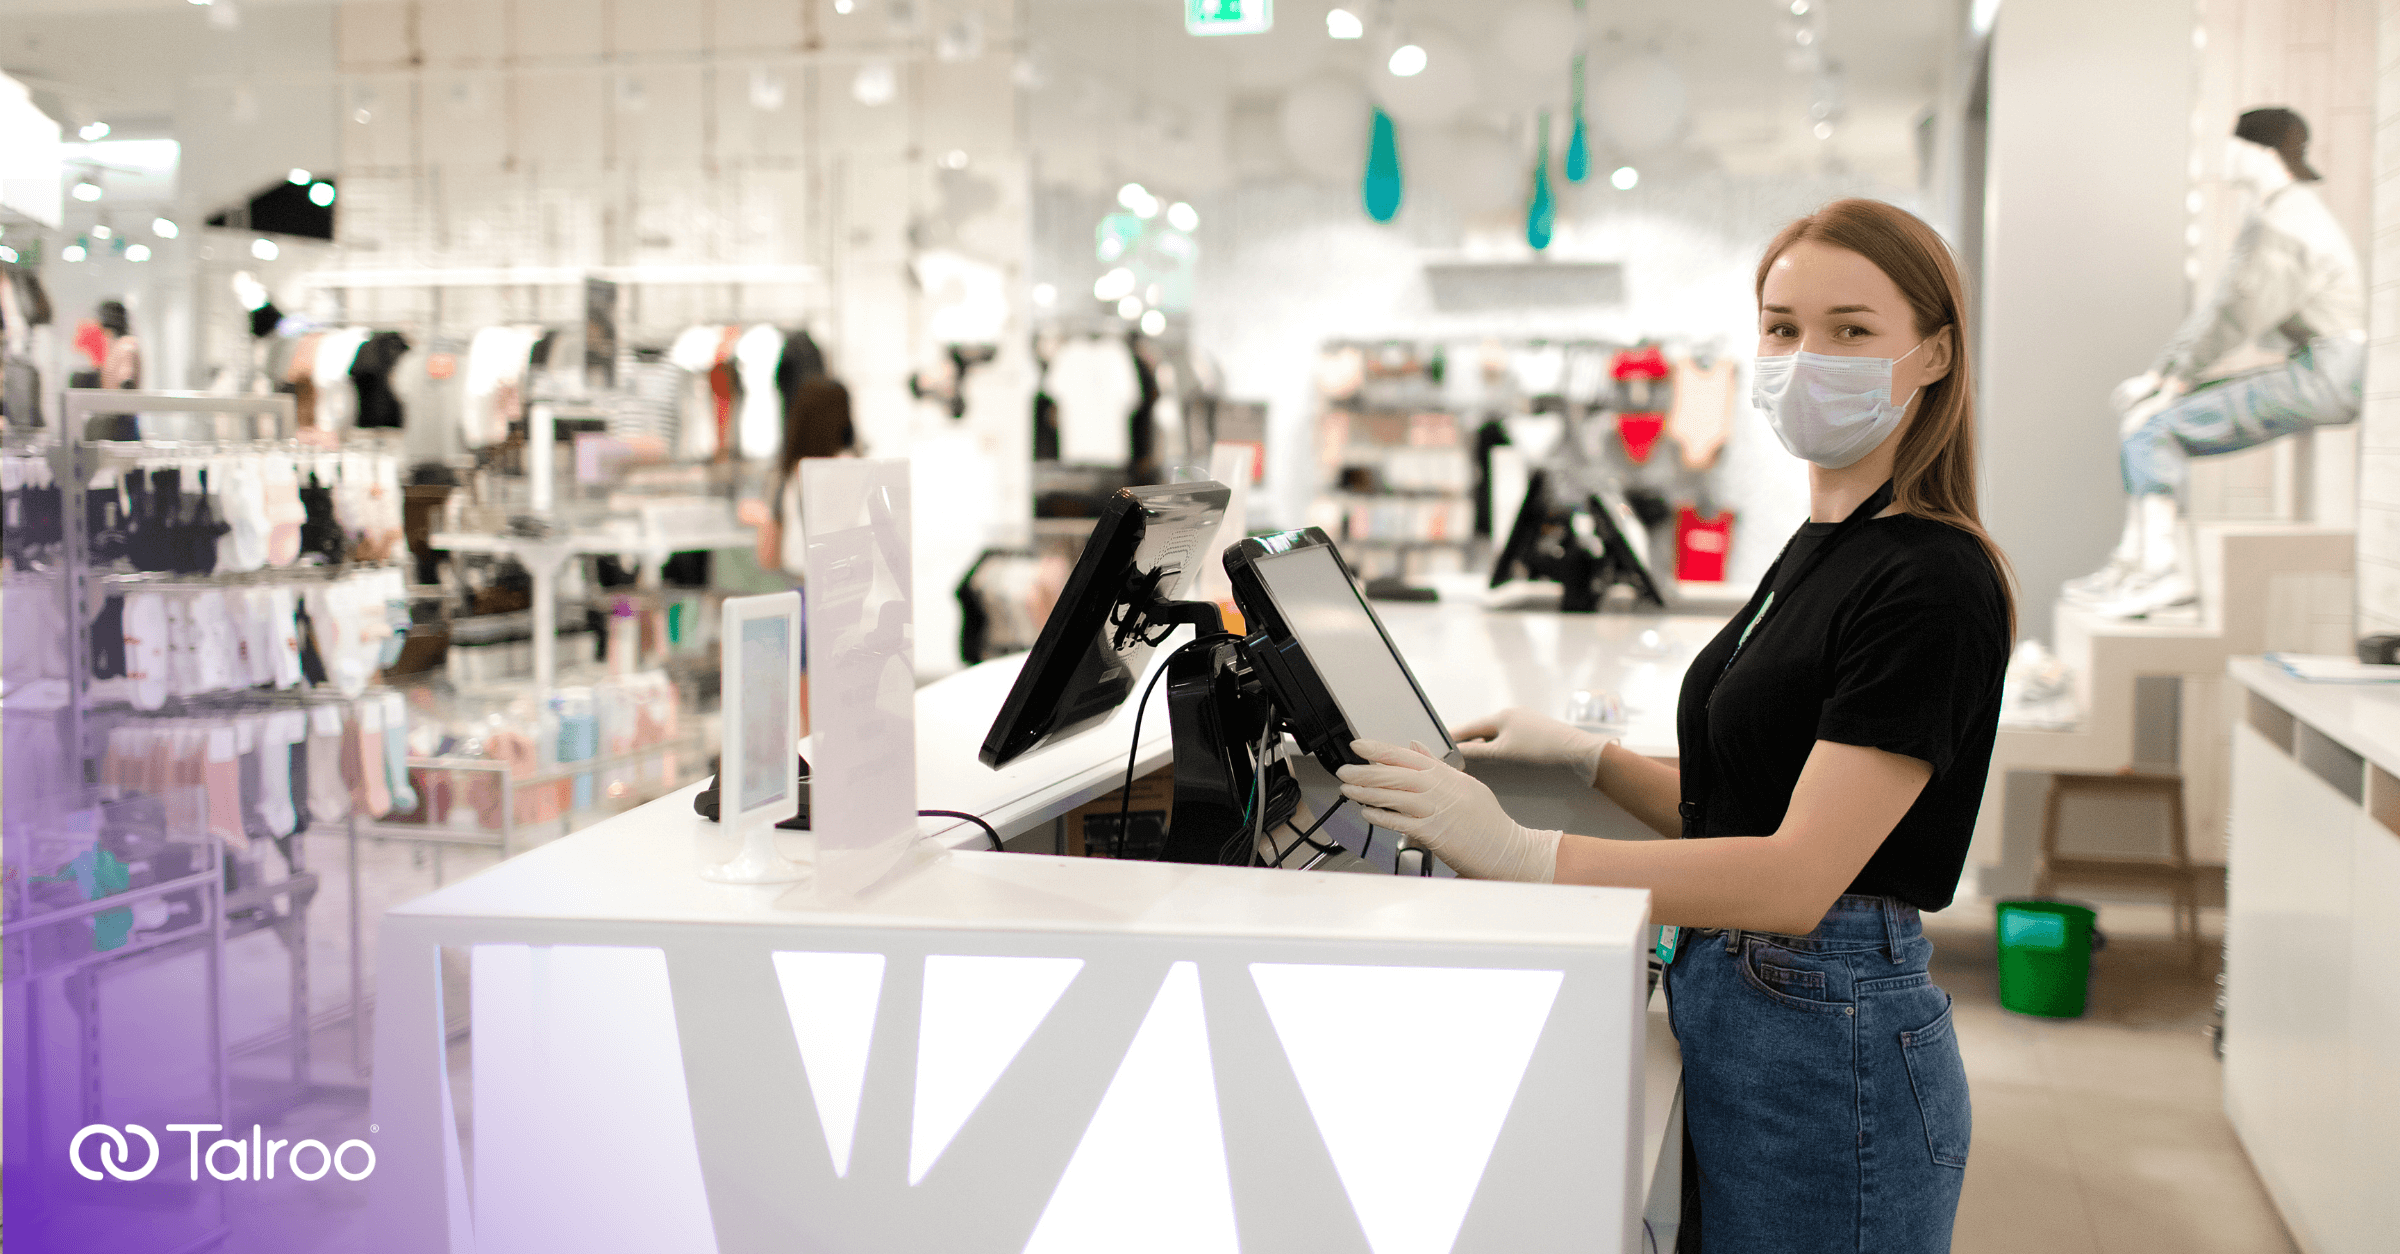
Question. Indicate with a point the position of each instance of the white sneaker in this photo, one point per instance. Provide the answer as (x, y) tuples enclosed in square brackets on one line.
[(2153, 596), (2104, 584)]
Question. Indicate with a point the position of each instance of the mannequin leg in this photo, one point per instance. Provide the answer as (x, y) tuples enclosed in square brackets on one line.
[(2102, 584)]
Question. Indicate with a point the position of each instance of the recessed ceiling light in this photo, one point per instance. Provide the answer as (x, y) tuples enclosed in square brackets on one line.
[(264, 249), (164, 228), (1408, 61), (1624, 178), (137, 252), (1343, 24), (86, 190), (94, 130), (320, 195)]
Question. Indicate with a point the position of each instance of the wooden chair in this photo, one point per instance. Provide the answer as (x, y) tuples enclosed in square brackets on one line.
[(2171, 871)]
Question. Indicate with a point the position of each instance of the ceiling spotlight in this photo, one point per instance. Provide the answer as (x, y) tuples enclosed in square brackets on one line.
[(1408, 61), (1130, 308), (86, 190), (955, 159), (844, 6), (1799, 8), (1624, 178), (264, 249), (1044, 295), (320, 195), (1133, 196), (72, 252), (1343, 24), (137, 252), (1154, 323), (1823, 130), (362, 116), (298, 177), (93, 130), (100, 230), (1117, 284), (1183, 217), (1806, 36), (7, 253), (164, 228)]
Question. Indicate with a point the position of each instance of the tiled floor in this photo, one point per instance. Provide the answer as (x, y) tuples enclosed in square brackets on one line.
[(2106, 1134)]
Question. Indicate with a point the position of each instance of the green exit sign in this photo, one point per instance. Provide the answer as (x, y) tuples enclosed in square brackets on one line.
[(1228, 17)]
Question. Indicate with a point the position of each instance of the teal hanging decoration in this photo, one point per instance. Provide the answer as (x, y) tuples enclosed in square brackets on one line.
[(1579, 151), (1541, 214), (1382, 186)]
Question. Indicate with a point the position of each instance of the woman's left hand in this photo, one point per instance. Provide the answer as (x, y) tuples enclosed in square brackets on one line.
[(1447, 811)]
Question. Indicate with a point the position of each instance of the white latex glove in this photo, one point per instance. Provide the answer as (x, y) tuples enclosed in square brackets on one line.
[(1443, 809), (1520, 735), (2133, 391)]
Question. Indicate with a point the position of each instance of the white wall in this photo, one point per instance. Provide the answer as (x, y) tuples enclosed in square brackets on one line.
[(2084, 265), (2379, 434)]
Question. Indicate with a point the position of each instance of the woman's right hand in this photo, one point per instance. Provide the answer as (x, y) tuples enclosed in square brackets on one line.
[(1520, 735)]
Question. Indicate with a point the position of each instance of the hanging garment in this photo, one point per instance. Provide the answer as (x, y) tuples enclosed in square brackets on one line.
[(371, 378), (757, 355), (1702, 414), (723, 388), (1540, 370), (1701, 545), (301, 374), (1096, 388), (497, 359), (694, 352), (337, 397), (1640, 433), (328, 794), (285, 514)]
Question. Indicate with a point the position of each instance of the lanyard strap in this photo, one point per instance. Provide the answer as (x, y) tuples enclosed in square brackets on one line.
[(1697, 756)]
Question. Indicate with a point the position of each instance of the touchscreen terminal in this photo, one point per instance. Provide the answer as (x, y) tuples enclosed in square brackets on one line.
[(1337, 675)]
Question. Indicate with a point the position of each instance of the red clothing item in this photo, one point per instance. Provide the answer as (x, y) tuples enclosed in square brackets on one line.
[(1701, 545), (1640, 433), (91, 341), (1640, 363), (721, 390)]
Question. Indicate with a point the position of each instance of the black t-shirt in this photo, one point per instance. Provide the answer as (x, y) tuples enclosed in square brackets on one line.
[(1896, 640)]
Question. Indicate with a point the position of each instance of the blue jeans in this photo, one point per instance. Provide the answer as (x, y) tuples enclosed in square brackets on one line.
[(2321, 386), (1825, 1105)]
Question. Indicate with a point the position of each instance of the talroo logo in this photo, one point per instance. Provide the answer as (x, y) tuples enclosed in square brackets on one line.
[(228, 1158)]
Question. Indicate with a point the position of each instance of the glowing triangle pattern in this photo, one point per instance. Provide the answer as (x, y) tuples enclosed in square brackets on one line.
[(831, 999), (1410, 1147), (978, 1012), (1149, 1173)]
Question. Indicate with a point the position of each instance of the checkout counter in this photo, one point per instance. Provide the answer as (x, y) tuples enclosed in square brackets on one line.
[(1011, 1051)]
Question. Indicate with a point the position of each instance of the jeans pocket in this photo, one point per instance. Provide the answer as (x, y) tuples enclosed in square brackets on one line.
[(1785, 980), (1939, 1077)]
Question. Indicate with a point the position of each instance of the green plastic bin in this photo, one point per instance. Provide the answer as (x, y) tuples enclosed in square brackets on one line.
[(2045, 957)]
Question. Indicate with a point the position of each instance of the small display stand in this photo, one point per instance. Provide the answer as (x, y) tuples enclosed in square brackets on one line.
[(756, 782)]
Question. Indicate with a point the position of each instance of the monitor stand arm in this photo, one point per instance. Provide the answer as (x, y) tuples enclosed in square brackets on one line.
[(1217, 707)]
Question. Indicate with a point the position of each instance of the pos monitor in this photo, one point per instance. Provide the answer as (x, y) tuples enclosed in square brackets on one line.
[(1119, 603), (1333, 671)]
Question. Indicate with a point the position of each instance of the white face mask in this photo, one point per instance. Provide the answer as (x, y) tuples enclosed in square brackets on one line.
[(1829, 410)]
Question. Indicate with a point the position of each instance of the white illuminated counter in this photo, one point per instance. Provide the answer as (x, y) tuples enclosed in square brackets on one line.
[(1013, 1052), (1006, 1052)]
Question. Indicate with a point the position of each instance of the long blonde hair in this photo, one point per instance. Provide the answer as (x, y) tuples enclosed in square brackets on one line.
[(1933, 472)]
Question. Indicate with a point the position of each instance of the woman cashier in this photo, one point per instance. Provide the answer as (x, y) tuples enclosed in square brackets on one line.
[(1841, 725)]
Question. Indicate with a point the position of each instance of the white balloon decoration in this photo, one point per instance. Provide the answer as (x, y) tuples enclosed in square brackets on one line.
[(1325, 125), (1640, 103), (1441, 91)]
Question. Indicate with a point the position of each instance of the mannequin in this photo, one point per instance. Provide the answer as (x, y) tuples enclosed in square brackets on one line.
[(2293, 275)]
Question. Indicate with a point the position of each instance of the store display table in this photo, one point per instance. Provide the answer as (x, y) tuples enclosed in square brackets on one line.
[(1008, 1052)]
